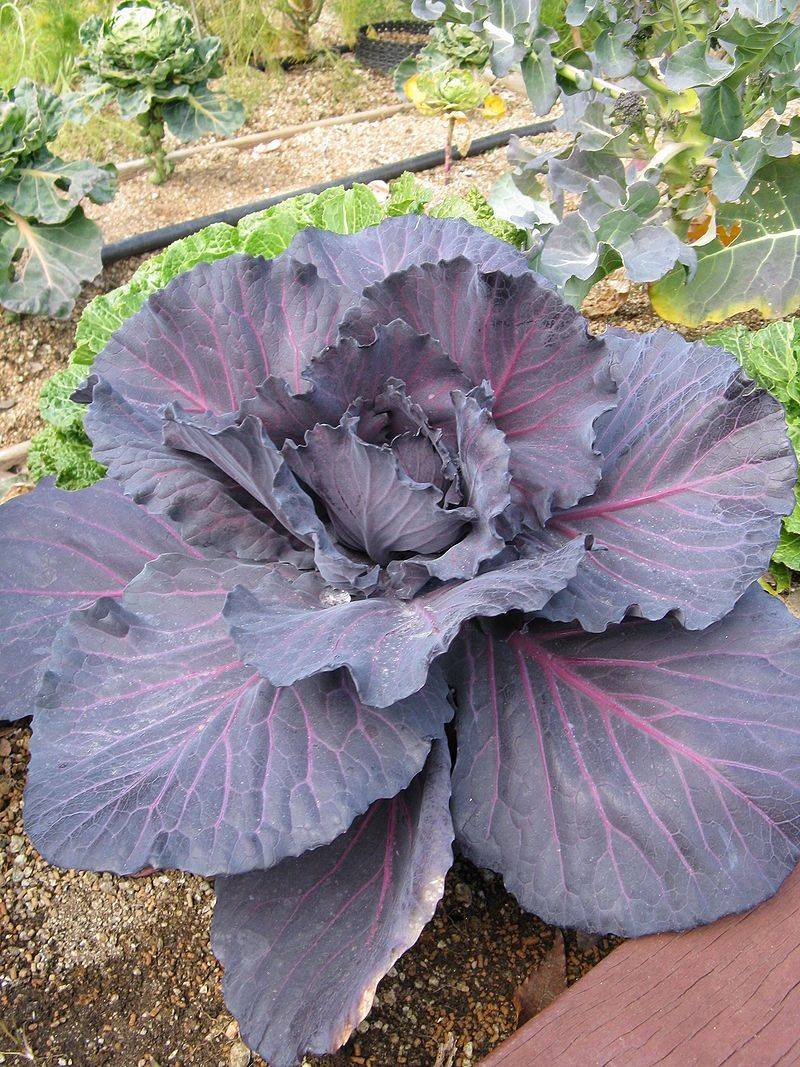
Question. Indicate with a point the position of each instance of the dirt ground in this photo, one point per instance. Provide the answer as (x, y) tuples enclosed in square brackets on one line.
[(100, 971)]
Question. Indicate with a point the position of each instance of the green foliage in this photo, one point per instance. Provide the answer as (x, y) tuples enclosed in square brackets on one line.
[(47, 245), (148, 59), (475, 208), (65, 457), (771, 357), (62, 448), (39, 39), (299, 16), (677, 177), (451, 47), (353, 14)]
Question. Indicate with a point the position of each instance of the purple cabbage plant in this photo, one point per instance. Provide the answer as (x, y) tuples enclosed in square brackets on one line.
[(393, 555)]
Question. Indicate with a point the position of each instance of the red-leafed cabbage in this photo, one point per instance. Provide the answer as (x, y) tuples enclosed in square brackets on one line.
[(376, 482)]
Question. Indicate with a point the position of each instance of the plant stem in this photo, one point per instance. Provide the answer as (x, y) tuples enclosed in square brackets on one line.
[(152, 123), (448, 150), (574, 75), (681, 36)]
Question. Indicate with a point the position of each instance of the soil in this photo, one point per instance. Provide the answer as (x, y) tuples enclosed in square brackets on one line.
[(101, 971)]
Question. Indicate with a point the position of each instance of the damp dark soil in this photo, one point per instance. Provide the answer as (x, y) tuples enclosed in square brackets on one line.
[(101, 971)]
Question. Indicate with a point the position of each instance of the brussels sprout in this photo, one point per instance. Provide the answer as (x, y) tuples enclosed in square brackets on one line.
[(148, 59), (456, 94)]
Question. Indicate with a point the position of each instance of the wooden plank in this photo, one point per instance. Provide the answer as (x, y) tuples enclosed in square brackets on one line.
[(131, 167), (725, 993)]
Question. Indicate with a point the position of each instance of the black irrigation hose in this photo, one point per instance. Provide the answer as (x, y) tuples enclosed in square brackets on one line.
[(153, 240)]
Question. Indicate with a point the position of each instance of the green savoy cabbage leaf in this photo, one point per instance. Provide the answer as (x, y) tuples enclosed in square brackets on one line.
[(771, 357)]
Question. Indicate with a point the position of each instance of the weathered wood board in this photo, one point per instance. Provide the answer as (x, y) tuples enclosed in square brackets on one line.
[(728, 993)]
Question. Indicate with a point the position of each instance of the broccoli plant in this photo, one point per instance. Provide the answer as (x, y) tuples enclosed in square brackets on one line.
[(393, 555), (47, 245), (684, 170), (147, 58)]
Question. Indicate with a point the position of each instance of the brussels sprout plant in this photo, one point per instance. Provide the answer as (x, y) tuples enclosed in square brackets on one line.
[(147, 58), (47, 245), (449, 46), (686, 173), (456, 95), (445, 80), (393, 555)]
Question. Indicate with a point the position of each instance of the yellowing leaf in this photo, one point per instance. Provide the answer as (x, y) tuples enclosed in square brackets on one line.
[(728, 234), (686, 102), (698, 227), (494, 106), (413, 91), (754, 262)]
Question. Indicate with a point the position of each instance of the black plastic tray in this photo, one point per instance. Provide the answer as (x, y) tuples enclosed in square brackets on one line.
[(375, 51)]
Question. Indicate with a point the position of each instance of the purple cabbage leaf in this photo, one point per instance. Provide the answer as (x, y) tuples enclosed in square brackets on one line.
[(61, 551), (199, 763), (661, 764), (305, 944), (380, 481)]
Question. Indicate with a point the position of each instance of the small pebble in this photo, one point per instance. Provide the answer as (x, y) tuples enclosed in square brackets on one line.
[(239, 1055)]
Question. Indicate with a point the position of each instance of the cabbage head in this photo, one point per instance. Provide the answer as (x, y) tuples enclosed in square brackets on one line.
[(393, 556)]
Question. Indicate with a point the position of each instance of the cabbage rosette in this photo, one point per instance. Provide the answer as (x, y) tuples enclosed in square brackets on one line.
[(393, 556)]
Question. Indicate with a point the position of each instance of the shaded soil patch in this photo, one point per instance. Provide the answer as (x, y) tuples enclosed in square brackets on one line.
[(100, 971)]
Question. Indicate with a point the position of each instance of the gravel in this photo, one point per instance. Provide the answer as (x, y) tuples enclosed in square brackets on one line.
[(102, 971)]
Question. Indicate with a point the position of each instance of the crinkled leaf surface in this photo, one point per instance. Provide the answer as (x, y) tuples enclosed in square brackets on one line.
[(769, 356), (339, 210), (697, 472), (204, 502), (550, 380), (47, 264), (67, 457), (372, 504), (292, 625), (155, 745), (370, 255), (55, 403), (643, 779), (348, 371), (212, 335), (305, 944), (60, 551)]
